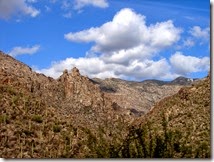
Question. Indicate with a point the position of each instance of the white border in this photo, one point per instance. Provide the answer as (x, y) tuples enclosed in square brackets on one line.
[(211, 57)]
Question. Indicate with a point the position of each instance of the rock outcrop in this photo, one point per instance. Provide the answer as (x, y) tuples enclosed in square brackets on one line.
[(178, 126), (74, 116), (77, 87), (72, 90), (71, 94), (138, 97)]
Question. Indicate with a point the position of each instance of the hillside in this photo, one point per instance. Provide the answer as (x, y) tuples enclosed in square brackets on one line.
[(70, 94), (61, 115), (178, 126), (139, 97), (31, 129), (78, 117)]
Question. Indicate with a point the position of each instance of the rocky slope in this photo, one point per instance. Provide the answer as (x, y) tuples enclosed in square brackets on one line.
[(70, 94), (17, 74), (74, 116), (139, 97), (130, 98), (178, 126), (31, 129), (36, 107)]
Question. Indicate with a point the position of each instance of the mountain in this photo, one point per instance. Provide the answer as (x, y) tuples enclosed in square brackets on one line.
[(71, 93), (62, 116), (177, 81), (139, 97), (178, 126), (182, 81), (78, 117)]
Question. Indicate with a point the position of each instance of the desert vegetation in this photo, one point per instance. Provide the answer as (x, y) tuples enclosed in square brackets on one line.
[(72, 118), (177, 127)]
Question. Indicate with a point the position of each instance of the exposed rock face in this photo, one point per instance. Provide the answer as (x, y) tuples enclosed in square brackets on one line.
[(75, 116), (135, 98), (71, 94), (182, 81), (183, 120), (139, 97), (85, 101), (79, 87), (69, 88)]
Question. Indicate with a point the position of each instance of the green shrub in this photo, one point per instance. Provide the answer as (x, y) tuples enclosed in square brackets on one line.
[(4, 119), (37, 118), (56, 128)]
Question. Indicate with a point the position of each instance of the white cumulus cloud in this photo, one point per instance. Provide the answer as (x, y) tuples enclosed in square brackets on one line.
[(128, 37), (96, 67), (9, 8), (78, 4), (24, 50), (183, 64), (126, 48), (127, 30)]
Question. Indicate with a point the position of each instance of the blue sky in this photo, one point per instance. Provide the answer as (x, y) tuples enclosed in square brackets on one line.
[(128, 39)]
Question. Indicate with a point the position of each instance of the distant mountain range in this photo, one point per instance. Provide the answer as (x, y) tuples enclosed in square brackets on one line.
[(178, 81), (139, 97)]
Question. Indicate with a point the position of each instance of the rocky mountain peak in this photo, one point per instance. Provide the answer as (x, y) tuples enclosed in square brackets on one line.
[(182, 81), (75, 72), (70, 94), (78, 87), (65, 72)]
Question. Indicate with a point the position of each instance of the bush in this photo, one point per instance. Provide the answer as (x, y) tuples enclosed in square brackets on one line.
[(4, 119), (37, 118), (56, 128)]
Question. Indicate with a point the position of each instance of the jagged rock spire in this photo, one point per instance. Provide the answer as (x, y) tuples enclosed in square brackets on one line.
[(65, 72), (75, 72)]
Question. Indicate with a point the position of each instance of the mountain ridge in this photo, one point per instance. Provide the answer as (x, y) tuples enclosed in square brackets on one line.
[(144, 94), (72, 116), (140, 96), (178, 126)]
